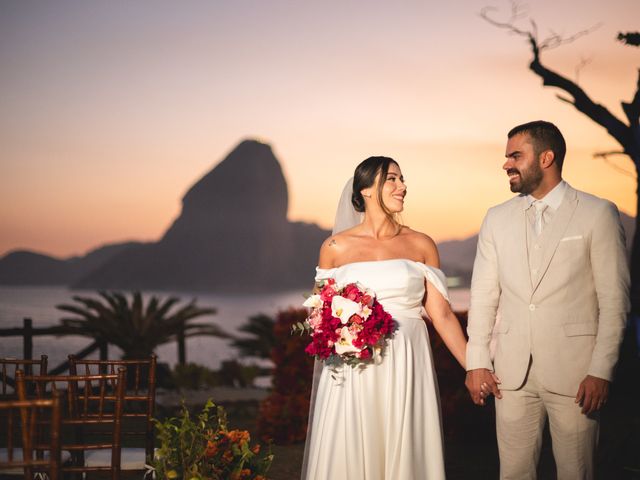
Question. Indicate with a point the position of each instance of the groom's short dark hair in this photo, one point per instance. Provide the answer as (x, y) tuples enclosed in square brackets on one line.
[(544, 136)]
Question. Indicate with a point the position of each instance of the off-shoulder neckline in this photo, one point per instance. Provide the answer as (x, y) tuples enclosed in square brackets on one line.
[(379, 261)]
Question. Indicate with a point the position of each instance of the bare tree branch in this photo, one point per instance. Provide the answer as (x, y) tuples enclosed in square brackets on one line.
[(581, 101), (605, 157), (599, 114), (555, 40), (517, 13), (565, 99), (632, 109)]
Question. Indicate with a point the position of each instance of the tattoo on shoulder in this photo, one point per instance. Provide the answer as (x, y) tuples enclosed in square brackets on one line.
[(332, 242)]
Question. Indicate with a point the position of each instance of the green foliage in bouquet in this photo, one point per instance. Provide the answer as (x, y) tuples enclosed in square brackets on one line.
[(203, 448)]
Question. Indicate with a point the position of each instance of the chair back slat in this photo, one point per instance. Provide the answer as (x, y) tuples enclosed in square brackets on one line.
[(94, 400), (8, 368), (20, 421), (140, 395)]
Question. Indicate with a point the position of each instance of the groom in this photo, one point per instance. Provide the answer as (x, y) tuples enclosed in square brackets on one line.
[(552, 260)]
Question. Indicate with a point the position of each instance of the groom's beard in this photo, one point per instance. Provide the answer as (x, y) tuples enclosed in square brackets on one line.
[(528, 181)]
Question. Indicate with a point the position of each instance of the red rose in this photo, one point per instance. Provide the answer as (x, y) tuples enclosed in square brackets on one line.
[(351, 292), (364, 354), (328, 291)]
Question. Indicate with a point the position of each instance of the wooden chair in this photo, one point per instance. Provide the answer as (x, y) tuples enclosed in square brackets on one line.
[(28, 448), (8, 368), (92, 418), (138, 410)]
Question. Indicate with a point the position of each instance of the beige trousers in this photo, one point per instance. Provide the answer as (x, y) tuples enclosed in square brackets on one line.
[(520, 419)]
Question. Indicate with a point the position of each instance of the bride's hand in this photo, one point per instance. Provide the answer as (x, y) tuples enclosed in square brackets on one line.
[(481, 383)]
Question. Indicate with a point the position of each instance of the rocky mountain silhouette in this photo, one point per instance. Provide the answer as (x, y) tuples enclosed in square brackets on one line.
[(232, 235)]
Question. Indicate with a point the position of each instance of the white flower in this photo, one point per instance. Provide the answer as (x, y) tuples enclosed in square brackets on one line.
[(343, 308), (314, 301), (366, 311), (345, 342)]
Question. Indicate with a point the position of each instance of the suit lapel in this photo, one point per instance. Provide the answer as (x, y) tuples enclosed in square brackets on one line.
[(519, 241), (557, 227)]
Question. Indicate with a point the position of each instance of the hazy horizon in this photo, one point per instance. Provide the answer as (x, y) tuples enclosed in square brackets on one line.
[(111, 111)]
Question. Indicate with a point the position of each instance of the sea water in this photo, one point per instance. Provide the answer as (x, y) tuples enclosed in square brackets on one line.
[(233, 311)]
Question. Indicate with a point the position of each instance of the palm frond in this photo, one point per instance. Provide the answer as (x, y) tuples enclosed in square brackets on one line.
[(136, 330)]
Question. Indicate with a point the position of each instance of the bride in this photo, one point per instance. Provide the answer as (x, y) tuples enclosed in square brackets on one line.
[(383, 421)]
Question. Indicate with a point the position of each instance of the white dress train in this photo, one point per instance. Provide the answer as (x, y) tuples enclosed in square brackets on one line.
[(382, 422)]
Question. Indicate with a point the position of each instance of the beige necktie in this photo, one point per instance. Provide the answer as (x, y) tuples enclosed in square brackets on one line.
[(540, 207)]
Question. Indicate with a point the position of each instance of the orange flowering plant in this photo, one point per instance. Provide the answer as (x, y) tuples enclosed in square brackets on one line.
[(203, 448)]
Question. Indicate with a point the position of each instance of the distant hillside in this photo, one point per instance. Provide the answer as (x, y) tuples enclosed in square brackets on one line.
[(23, 267)]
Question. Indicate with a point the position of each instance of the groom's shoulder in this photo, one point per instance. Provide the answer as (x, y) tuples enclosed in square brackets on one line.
[(506, 208), (591, 201)]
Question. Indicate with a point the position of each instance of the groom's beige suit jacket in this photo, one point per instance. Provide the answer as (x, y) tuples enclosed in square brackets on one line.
[(569, 315)]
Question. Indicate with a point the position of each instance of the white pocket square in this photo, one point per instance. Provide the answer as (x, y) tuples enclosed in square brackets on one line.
[(575, 237)]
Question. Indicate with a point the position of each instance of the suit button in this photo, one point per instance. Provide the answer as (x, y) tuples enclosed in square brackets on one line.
[(536, 246), (532, 307)]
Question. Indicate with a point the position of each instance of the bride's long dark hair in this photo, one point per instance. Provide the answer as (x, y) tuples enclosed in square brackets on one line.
[(365, 176)]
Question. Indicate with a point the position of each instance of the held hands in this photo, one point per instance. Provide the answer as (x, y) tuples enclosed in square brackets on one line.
[(592, 394), (481, 383)]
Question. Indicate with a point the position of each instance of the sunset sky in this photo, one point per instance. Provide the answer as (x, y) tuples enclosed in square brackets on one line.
[(111, 110)]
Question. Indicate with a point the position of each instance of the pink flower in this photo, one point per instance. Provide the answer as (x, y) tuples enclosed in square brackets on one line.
[(315, 319), (328, 291), (354, 329)]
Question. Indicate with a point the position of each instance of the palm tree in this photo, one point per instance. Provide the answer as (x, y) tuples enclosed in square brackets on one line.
[(262, 339), (137, 330)]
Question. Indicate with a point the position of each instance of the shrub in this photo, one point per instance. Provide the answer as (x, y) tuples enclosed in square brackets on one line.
[(203, 448), (284, 413)]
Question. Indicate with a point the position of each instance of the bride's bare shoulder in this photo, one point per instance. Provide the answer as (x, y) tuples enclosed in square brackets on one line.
[(424, 244), (334, 246)]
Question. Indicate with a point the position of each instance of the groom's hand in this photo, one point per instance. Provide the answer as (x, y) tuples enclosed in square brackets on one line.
[(481, 383), (592, 394)]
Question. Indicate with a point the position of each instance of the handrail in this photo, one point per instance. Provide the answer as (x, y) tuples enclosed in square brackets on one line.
[(27, 332)]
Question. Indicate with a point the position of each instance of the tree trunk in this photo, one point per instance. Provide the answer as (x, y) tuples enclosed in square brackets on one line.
[(635, 253)]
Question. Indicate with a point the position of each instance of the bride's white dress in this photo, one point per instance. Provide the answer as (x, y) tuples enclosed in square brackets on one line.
[(383, 421)]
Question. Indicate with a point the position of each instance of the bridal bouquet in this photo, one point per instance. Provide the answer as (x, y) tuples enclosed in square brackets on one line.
[(345, 323)]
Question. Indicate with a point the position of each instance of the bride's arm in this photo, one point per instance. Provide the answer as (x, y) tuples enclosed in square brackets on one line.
[(439, 310), (446, 323)]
